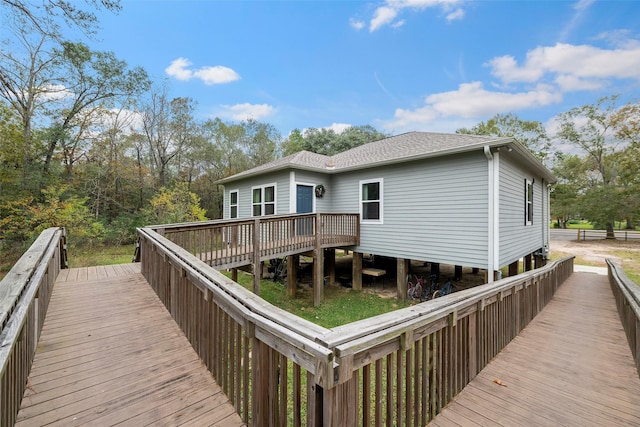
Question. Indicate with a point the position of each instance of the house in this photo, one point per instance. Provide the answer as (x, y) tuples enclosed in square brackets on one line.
[(463, 200)]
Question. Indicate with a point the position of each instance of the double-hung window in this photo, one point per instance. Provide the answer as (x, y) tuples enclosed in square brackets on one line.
[(371, 207), (233, 204), (264, 200), (528, 202)]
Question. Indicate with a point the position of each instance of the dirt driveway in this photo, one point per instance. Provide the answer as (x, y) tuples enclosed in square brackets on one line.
[(594, 252)]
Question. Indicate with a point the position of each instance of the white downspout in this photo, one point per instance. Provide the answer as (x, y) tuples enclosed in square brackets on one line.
[(292, 193), (493, 203)]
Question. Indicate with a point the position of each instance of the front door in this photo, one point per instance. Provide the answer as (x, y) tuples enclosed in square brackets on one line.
[(304, 204)]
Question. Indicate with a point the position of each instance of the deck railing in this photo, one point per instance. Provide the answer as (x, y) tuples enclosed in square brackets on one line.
[(627, 295), (24, 298), (400, 368), (235, 243)]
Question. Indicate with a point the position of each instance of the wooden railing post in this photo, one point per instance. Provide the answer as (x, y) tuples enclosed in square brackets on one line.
[(318, 264), (257, 270), (472, 345)]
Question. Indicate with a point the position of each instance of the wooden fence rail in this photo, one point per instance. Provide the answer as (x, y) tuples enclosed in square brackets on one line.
[(400, 368), (627, 295), (233, 243), (24, 298), (625, 235)]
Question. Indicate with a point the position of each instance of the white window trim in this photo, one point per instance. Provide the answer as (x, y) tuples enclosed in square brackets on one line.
[(262, 202), (381, 200), (528, 204), (237, 205)]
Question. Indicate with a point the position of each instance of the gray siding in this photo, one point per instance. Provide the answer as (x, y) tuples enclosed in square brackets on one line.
[(434, 210), (322, 204), (280, 179), (516, 238)]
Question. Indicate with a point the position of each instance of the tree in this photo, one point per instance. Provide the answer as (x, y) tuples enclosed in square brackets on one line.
[(260, 142), (175, 205), (532, 134), (91, 80), (27, 83), (626, 123), (589, 128), (328, 142), (609, 137), (46, 15), (11, 160), (23, 219), (571, 171)]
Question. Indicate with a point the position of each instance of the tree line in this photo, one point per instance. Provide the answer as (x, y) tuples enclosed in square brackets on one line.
[(89, 142)]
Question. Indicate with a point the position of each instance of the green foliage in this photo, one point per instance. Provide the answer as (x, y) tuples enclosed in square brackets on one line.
[(122, 229), (23, 219), (328, 142), (174, 205), (605, 181), (530, 133)]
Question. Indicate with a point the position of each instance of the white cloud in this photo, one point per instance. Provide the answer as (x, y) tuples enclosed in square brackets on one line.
[(216, 75), (473, 100), (455, 15), (382, 16), (387, 13), (338, 127), (210, 75), (569, 83), (469, 101), (575, 61), (247, 111), (178, 69), (356, 23)]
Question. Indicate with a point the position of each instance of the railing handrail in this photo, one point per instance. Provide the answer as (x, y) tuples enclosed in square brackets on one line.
[(237, 221), (246, 302), (627, 295), (337, 339), (24, 297), (434, 309), (13, 285), (338, 361), (628, 286)]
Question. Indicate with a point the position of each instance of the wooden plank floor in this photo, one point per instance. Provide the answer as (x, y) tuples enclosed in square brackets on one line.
[(110, 354), (570, 366)]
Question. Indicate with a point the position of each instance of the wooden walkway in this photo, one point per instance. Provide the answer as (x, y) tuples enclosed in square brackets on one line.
[(110, 353), (570, 366)]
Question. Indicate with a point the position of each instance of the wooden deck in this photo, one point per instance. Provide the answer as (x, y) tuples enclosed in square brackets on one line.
[(570, 366), (111, 354)]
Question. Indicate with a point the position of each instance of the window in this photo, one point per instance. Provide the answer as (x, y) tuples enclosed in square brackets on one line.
[(233, 204), (264, 200), (528, 202), (371, 201)]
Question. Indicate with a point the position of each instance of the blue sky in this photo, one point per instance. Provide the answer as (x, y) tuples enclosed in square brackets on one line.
[(431, 65)]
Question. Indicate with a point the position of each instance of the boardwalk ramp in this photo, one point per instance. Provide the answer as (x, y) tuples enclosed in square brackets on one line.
[(110, 353), (570, 366)]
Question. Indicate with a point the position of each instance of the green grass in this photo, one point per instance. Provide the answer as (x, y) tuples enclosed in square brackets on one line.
[(631, 263), (339, 306), (101, 255), (583, 225)]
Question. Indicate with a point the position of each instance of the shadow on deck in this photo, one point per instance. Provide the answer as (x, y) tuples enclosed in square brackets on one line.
[(110, 353)]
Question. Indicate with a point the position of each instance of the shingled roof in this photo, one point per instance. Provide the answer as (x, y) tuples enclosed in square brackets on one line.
[(395, 149)]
